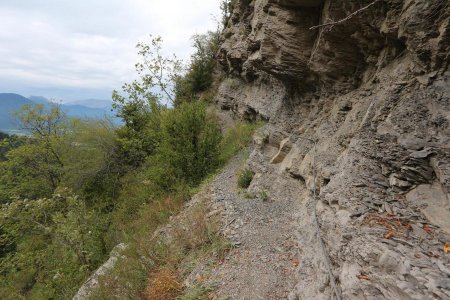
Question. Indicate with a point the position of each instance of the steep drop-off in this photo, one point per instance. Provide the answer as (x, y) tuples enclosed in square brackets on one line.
[(373, 91)]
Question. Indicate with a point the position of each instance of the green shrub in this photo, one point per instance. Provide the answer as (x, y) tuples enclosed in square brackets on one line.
[(199, 76), (189, 148), (48, 247), (245, 178), (236, 138)]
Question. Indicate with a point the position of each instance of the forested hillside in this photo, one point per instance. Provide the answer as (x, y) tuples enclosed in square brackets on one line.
[(74, 189)]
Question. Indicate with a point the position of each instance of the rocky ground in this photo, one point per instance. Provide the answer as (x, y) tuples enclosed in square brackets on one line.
[(264, 262), (277, 253)]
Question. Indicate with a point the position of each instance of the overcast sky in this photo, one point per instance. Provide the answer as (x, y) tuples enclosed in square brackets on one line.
[(79, 49)]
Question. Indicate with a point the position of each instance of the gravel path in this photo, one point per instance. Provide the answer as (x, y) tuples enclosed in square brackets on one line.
[(263, 265)]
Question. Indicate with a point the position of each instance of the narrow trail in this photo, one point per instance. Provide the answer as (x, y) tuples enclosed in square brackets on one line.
[(264, 262)]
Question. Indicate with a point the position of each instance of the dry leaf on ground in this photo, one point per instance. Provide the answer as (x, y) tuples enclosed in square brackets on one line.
[(447, 248), (363, 276), (295, 262), (388, 235)]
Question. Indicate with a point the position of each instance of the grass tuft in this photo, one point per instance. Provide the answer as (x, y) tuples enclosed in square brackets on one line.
[(245, 178), (163, 284)]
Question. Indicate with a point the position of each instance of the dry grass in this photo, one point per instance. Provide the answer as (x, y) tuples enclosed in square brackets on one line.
[(153, 268), (163, 284), (194, 230)]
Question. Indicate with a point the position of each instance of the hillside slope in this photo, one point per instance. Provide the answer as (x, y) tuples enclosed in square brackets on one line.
[(373, 91), (8, 104)]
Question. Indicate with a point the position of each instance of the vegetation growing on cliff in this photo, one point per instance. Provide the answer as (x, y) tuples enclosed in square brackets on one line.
[(73, 189)]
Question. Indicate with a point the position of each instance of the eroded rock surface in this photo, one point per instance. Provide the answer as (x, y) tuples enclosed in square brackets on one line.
[(374, 92)]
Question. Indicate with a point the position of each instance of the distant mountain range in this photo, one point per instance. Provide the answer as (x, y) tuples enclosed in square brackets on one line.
[(93, 103), (84, 109)]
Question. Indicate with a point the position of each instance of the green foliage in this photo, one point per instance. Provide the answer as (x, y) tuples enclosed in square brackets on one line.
[(245, 178), (50, 243), (29, 172), (73, 189), (189, 146), (140, 105), (75, 154), (91, 161), (48, 247), (236, 138), (199, 76), (34, 168), (3, 135), (8, 143), (140, 137)]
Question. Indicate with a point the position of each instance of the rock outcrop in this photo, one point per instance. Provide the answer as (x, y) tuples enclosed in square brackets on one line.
[(374, 92), (87, 289)]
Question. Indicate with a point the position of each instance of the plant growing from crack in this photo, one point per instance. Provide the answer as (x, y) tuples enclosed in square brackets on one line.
[(245, 178)]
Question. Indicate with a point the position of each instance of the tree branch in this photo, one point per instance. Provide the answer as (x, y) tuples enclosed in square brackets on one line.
[(347, 17)]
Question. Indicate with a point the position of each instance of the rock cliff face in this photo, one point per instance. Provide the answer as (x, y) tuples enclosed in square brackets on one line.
[(374, 92)]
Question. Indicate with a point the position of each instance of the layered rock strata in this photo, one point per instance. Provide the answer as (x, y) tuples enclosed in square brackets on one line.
[(374, 92)]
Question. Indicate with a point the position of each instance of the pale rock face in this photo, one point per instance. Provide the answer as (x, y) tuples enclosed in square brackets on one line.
[(374, 91), (435, 203), (86, 291), (284, 149)]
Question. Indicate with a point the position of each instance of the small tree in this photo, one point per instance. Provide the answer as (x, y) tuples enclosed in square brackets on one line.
[(157, 74), (141, 103), (189, 148), (35, 167), (46, 125), (199, 76)]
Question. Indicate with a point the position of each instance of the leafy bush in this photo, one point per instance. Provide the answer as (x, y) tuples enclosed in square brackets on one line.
[(48, 246), (189, 148), (245, 178), (139, 137), (199, 76)]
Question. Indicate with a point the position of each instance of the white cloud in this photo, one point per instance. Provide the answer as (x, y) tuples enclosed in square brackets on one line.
[(65, 46)]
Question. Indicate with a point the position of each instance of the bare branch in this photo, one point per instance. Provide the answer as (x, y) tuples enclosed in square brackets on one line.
[(347, 17)]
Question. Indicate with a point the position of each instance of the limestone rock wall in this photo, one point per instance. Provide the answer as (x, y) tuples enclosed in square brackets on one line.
[(374, 92)]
